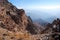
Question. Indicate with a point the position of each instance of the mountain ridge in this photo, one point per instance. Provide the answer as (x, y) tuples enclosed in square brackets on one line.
[(14, 23)]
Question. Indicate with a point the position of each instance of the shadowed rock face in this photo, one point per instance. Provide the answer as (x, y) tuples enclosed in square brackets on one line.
[(11, 17), (3, 1), (14, 24), (14, 19), (30, 27)]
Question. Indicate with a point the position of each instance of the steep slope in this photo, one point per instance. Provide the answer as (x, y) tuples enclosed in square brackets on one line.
[(11, 17), (14, 24), (52, 31)]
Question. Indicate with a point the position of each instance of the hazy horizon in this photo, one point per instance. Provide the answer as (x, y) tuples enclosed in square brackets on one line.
[(39, 8)]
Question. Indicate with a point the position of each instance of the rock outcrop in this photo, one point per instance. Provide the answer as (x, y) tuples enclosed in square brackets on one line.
[(52, 31), (14, 24), (11, 17)]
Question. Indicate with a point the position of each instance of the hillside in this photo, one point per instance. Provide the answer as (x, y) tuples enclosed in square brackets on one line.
[(14, 24)]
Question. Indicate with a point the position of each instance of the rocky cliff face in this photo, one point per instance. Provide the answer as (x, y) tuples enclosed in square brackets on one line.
[(11, 17), (52, 31), (14, 24)]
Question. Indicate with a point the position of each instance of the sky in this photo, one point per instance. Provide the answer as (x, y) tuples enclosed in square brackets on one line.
[(36, 4), (50, 7)]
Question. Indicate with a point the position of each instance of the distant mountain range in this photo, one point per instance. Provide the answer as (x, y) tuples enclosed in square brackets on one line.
[(51, 19), (42, 17), (41, 22)]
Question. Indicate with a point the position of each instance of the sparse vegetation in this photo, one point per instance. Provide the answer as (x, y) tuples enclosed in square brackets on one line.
[(15, 25)]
